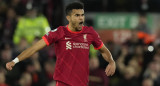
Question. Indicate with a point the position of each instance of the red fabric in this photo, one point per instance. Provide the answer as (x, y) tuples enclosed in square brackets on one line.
[(99, 47), (72, 52), (58, 83), (4, 84), (45, 40)]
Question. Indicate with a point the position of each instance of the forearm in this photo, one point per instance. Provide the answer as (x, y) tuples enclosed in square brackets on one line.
[(111, 67), (106, 54), (26, 54), (30, 51)]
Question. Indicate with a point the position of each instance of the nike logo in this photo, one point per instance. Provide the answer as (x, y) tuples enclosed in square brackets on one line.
[(67, 38)]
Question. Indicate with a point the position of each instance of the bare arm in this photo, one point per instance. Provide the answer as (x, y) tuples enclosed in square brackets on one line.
[(27, 53), (31, 50), (110, 69)]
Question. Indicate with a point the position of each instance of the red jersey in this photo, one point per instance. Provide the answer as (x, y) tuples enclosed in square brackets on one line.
[(72, 52)]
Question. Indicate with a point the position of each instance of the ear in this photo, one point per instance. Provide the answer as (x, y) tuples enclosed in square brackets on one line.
[(68, 17)]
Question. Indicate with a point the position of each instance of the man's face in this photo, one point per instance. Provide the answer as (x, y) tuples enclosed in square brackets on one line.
[(76, 19)]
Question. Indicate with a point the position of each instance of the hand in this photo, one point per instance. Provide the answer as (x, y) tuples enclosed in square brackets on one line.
[(110, 69), (10, 65)]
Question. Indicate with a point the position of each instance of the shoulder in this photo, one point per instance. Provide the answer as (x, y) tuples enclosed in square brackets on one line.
[(88, 28), (59, 29)]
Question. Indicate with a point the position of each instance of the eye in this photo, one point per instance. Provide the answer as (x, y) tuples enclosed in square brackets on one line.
[(76, 15)]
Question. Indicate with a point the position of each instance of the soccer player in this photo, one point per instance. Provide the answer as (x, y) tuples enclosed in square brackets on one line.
[(72, 43)]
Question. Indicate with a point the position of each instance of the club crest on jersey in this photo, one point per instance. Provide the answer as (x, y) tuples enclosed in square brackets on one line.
[(85, 37), (68, 45)]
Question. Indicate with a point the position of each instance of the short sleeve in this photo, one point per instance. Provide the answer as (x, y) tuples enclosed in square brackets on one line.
[(52, 36), (97, 42)]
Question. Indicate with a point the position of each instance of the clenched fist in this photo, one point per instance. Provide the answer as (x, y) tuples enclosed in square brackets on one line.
[(10, 65)]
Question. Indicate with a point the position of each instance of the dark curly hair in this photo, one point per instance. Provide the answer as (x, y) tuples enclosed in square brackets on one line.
[(74, 5)]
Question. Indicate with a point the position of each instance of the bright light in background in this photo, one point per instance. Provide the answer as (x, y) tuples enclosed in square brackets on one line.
[(150, 48), (29, 6)]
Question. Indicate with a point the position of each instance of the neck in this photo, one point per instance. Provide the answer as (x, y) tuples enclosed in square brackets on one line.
[(71, 28)]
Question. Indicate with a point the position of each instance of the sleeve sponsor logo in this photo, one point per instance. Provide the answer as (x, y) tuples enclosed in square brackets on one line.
[(54, 30)]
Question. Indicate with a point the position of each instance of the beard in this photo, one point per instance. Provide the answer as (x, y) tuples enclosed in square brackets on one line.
[(77, 25)]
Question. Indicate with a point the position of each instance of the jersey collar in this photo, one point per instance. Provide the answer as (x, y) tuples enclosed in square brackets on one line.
[(73, 31)]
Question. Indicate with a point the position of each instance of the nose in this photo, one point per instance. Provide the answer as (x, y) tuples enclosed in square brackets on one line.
[(81, 17)]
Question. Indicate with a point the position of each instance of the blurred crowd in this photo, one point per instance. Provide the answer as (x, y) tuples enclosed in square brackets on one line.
[(24, 22)]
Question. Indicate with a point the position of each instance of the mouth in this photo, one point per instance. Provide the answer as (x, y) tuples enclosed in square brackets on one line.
[(81, 23)]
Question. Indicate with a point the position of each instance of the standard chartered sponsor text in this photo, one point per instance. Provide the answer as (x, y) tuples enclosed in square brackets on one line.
[(81, 45)]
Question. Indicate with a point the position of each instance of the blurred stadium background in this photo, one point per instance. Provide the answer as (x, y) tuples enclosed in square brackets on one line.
[(129, 28)]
